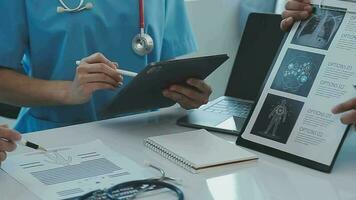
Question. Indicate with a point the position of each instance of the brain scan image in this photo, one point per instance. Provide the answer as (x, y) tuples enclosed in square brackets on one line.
[(319, 30), (297, 73)]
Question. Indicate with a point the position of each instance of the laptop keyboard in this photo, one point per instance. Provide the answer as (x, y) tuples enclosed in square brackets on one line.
[(230, 107)]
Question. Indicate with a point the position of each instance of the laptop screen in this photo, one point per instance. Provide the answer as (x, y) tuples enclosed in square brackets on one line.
[(258, 47)]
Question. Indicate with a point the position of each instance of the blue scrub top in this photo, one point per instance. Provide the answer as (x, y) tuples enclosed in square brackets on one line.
[(45, 44)]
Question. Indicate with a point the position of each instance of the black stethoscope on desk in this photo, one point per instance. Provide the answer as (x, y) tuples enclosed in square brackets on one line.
[(142, 43), (132, 189)]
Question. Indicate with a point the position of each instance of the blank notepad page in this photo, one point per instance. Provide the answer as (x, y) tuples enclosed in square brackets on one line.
[(199, 149)]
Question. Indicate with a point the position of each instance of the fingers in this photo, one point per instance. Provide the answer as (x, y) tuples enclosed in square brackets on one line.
[(100, 68), (7, 138), (98, 58), (201, 86), (299, 6), (7, 146), (190, 93), (95, 72), (190, 97), (296, 10), (9, 134), (349, 118), (287, 23), (348, 105), (182, 100), (99, 78), (2, 156), (97, 68), (296, 15), (98, 73)]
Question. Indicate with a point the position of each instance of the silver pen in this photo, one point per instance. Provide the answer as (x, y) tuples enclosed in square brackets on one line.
[(123, 72)]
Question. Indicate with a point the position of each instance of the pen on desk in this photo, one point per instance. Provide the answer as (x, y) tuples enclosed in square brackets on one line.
[(123, 72), (31, 145)]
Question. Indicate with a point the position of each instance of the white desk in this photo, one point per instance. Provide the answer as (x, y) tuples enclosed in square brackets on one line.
[(268, 179)]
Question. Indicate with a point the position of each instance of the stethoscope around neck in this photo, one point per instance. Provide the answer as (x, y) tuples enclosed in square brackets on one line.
[(142, 43)]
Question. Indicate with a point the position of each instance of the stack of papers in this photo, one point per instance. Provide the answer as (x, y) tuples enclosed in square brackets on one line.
[(72, 171)]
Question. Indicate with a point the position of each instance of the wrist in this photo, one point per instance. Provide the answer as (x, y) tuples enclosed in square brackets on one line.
[(70, 94), (64, 94)]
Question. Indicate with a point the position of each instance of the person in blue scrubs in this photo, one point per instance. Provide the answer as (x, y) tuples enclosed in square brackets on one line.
[(39, 48), (297, 10)]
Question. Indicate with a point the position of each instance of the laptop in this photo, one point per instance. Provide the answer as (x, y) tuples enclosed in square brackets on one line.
[(259, 44)]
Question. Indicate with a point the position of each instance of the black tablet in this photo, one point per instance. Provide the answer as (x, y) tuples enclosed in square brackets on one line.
[(144, 92)]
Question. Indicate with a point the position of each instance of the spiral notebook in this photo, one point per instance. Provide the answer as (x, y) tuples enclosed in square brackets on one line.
[(197, 150)]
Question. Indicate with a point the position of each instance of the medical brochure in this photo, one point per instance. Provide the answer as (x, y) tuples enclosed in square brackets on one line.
[(70, 171), (313, 72)]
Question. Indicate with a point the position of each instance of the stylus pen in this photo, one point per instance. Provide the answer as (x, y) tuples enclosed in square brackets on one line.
[(123, 72), (31, 145)]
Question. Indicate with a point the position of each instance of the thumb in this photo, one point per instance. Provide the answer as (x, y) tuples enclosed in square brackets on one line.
[(4, 126), (286, 24)]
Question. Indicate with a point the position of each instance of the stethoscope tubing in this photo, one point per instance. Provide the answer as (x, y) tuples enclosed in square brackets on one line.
[(142, 13), (150, 183), (142, 43)]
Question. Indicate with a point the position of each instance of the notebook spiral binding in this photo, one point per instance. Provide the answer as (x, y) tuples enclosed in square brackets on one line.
[(164, 152)]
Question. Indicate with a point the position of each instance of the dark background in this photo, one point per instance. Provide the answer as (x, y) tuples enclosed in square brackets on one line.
[(284, 129), (291, 55)]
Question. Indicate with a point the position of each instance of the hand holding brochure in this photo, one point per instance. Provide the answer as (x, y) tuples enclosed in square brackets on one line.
[(313, 72)]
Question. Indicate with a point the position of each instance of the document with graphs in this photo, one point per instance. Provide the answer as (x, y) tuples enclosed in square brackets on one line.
[(71, 171), (312, 73)]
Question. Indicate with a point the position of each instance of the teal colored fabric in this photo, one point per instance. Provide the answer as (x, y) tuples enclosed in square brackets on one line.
[(46, 44), (249, 6)]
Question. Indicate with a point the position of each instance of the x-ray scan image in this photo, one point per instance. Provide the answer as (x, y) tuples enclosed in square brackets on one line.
[(319, 30), (277, 118), (297, 72)]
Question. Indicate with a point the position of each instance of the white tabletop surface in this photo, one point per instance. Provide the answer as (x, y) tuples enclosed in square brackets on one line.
[(268, 178)]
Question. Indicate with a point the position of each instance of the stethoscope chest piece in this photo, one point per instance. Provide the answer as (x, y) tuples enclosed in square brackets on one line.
[(142, 44)]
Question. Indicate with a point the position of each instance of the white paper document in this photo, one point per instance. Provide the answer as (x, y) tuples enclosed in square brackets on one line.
[(71, 171), (314, 71)]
